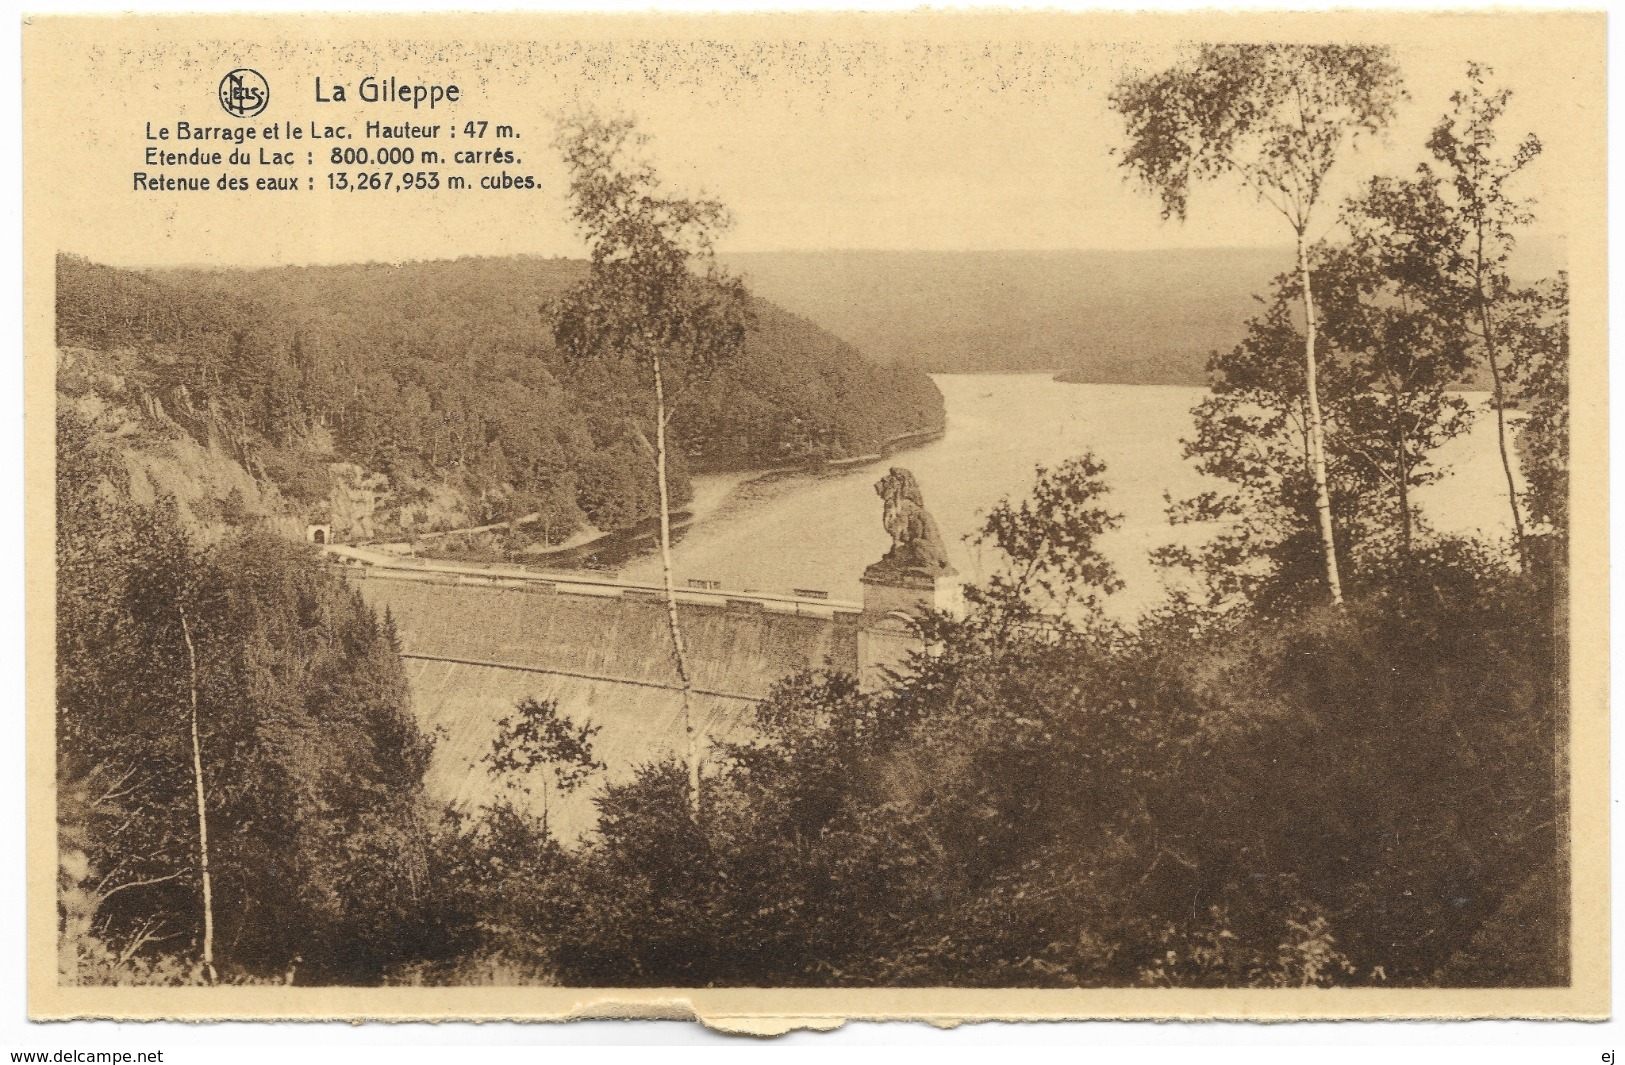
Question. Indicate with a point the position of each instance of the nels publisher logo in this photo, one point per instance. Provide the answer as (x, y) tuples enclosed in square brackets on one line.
[(244, 93)]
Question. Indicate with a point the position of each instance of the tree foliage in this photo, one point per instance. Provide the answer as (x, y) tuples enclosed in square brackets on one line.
[(536, 736), (1273, 116), (1538, 335), (1486, 219), (1252, 437), (1333, 798), (643, 299), (319, 836), (1048, 540)]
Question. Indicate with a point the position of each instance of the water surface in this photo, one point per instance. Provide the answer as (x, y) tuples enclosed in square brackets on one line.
[(820, 529)]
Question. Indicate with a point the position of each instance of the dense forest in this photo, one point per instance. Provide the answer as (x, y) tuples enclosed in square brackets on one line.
[(246, 665), (1334, 754), (444, 378)]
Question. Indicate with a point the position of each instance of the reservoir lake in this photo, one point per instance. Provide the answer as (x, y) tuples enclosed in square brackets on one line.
[(818, 529)]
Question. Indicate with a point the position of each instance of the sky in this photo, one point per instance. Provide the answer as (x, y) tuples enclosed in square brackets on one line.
[(967, 132)]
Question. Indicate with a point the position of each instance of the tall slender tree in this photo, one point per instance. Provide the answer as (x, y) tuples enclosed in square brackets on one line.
[(1488, 218), (1276, 117), (654, 297), (202, 805)]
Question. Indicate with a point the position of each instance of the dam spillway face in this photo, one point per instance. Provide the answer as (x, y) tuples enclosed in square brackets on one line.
[(473, 651)]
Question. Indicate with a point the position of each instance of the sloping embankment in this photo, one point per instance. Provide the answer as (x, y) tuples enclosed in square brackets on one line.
[(473, 652)]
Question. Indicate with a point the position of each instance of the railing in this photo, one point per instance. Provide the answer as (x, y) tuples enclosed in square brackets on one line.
[(809, 602)]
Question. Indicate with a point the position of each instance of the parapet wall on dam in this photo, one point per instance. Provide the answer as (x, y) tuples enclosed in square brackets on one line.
[(473, 650)]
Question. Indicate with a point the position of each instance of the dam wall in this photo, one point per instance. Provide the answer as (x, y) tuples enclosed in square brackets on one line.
[(474, 650)]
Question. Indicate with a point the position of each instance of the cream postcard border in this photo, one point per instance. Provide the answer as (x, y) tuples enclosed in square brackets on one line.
[(49, 42)]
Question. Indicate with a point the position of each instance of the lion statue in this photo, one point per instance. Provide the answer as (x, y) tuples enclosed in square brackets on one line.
[(915, 542)]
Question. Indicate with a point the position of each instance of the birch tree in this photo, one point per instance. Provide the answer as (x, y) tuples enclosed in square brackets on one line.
[(654, 299), (1275, 118), (202, 805)]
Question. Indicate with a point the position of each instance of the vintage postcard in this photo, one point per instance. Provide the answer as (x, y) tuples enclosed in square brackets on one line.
[(795, 517)]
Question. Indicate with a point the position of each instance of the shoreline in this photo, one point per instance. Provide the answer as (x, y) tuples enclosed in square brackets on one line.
[(711, 491)]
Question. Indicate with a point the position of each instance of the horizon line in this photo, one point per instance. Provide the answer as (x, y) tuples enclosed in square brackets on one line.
[(1557, 238)]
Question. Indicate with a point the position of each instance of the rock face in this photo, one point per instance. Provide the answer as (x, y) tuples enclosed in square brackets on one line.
[(916, 545), (353, 501)]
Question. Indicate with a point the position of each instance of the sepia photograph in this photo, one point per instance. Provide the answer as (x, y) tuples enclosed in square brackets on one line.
[(997, 515)]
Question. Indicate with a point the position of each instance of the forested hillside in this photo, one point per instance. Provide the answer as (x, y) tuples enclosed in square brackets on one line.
[(443, 378), (1144, 317)]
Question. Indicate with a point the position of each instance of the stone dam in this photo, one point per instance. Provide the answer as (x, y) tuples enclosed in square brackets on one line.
[(476, 641), (473, 649)]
